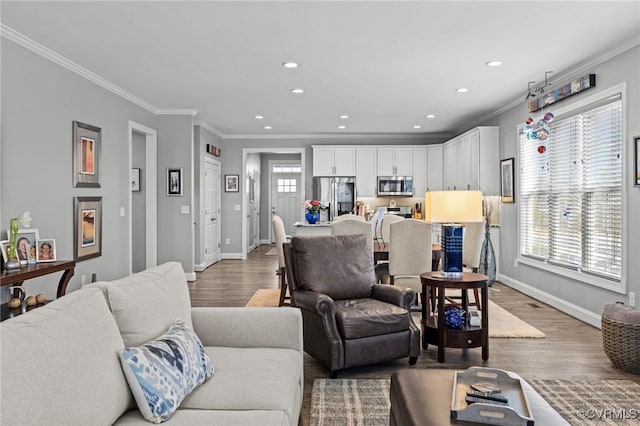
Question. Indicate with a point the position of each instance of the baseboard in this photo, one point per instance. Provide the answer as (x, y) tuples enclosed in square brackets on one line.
[(231, 256), (201, 267), (562, 305), (191, 276), (262, 242)]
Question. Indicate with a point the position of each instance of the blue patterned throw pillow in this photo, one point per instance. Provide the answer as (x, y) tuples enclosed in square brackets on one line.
[(163, 372)]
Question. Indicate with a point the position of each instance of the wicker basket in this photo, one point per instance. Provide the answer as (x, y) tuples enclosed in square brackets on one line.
[(622, 344)]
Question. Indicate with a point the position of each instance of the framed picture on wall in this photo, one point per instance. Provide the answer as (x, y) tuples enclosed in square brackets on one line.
[(135, 180), (86, 155), (636, 160), (87, 228), (231, 183), (174, 182), (506, 180)]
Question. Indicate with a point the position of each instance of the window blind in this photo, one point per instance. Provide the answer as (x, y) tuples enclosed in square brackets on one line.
[(571, 213)]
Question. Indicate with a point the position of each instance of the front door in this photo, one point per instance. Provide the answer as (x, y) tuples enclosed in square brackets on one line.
[(286, 199)]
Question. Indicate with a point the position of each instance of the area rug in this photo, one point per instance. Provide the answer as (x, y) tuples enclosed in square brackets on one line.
[(265, 297), (350, 402), (272, 252), (501, 322), (599, 402)]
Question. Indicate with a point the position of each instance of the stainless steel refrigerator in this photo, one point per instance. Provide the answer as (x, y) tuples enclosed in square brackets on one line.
[(337, 196)]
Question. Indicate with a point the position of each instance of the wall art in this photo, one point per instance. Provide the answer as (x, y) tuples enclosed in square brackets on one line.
[(86, 155)]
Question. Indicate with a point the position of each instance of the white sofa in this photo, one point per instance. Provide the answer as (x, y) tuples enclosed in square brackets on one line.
[(60, 362)]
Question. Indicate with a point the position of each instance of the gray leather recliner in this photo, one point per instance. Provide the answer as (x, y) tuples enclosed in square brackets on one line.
[(348, 320)]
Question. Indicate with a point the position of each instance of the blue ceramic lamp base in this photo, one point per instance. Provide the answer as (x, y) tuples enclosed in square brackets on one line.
[(452, 250)]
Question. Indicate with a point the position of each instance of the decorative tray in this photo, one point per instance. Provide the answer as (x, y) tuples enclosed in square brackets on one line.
[(490, 381)]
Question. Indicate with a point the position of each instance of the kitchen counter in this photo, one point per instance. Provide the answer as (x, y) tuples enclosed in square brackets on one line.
[(306, 229)]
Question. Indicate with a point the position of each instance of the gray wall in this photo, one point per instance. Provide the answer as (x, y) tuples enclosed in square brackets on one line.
[(571, 294), (39, 102)]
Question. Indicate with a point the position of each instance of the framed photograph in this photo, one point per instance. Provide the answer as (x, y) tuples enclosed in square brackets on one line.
[(86, 155), (87, 228), (636, 160), (506, 180), (135, 180), (46, 250), (25, 246), (4, 247), (231, 183), (174, 182)]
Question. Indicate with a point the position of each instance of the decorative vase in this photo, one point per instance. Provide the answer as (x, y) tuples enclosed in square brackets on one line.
[(488, 259), (312, 216), (454, 317), (12, 264)]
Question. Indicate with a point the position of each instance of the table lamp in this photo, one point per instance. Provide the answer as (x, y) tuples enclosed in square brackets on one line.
[(452, 209)]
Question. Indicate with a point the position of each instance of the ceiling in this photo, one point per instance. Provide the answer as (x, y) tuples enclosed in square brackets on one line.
[(385, 64)]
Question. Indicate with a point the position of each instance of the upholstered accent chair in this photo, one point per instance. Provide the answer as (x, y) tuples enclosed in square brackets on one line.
[(348, 320)]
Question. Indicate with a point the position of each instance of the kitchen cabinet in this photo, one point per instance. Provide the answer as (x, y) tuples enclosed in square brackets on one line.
[(395, 161), (434, 168), (419, 171), (334, 160), (366, 172), (471, 161)]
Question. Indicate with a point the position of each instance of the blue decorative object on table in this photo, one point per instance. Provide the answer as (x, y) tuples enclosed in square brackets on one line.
[(312, 217), (454, 317)]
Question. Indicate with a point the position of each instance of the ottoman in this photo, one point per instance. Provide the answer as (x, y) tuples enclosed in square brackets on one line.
[(423, 398)]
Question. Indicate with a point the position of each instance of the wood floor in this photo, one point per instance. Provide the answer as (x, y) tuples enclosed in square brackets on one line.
[(571, 350)]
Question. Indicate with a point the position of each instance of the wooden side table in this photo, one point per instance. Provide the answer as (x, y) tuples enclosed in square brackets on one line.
[(18, 276), (434, 330)]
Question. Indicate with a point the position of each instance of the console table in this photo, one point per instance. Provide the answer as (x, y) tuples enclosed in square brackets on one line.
[(18, 276), (434, 330)]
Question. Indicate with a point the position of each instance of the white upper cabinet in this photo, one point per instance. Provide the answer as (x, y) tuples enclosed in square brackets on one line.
[(419, 171), (334, 160), (434, 168), (471, 161), (366, 174), (395, 161)]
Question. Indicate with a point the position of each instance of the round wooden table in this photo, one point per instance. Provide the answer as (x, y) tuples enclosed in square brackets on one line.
[(434, 330)]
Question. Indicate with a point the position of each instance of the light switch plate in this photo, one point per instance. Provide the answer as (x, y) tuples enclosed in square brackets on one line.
[(122, 211), (237, 207), (184, 209)]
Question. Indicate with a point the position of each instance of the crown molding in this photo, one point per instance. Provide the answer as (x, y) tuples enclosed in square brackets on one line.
[(177, 111), (208, 127), (581, 68), (37, 48), (367, 136)]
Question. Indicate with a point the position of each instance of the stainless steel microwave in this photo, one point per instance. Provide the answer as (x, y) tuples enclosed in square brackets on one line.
[(395, 185)]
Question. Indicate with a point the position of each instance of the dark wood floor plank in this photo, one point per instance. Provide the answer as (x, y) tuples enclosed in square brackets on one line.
[(571, 350)]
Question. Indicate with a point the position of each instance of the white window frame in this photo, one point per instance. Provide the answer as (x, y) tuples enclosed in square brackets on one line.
[(616, 286)]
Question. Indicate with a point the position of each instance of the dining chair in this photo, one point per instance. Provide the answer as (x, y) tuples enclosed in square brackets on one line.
[(281, 238), (349, 216), (409, 253), (471, 247), (385, 227), (353, 226)]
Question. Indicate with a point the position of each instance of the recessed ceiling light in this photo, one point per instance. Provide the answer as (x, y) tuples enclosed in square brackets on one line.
[(268, 127), (290, 65), (417, 126), (258, 117), (297, 91), (430, 116), (493, 63), (344, 117), (462, 90), (342, 127)]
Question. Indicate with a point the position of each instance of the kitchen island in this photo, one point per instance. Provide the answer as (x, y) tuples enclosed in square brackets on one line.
[(305, 229)]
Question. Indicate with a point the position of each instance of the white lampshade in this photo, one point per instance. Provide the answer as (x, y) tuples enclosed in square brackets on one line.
[(453, 206)]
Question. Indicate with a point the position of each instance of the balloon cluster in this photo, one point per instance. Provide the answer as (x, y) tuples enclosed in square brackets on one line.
[(541, 131), (454, 317)]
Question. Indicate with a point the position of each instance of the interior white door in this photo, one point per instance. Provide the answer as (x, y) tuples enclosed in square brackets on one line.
[(211, 212), (286, 199)]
